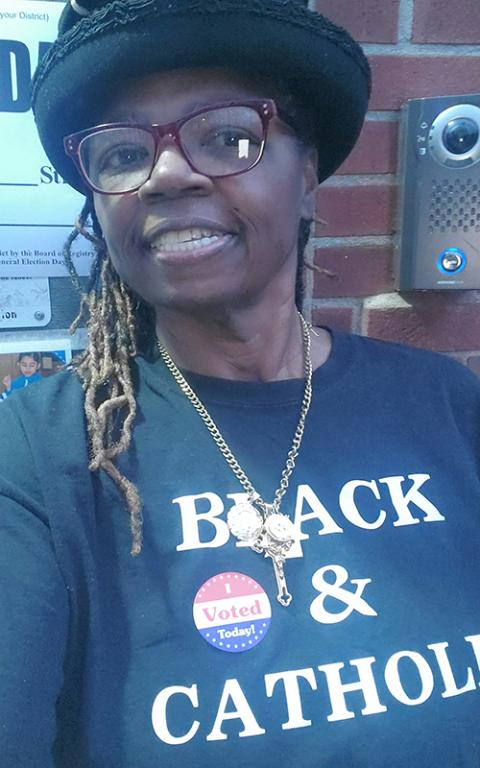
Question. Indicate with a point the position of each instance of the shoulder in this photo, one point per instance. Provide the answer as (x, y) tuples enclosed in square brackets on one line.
[(42, 441), (407, 382), (47, 413), (416, 365), (49, 396)]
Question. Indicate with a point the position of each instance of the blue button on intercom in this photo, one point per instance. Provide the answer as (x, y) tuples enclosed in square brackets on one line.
[(451, 261)]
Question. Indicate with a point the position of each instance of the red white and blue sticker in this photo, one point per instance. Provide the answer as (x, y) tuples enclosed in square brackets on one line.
[(232, 612)]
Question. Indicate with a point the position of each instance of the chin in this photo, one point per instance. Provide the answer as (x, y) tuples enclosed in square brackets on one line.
[(201, 301)]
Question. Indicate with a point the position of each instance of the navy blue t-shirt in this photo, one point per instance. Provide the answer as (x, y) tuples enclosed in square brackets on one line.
[(375, 663)]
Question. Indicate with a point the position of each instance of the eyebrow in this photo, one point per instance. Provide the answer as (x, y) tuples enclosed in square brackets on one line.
[(141, 119)]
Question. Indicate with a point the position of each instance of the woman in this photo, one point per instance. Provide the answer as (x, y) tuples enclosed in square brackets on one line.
[(322, 609)]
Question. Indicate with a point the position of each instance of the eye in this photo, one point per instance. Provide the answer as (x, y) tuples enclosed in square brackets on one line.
[(122, 158), (232, 138)]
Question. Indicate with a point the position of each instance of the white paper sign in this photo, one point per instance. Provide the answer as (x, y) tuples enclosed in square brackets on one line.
[(25, 302), (37, 208)]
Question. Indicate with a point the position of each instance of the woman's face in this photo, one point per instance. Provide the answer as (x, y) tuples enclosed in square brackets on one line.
[(256, 214)]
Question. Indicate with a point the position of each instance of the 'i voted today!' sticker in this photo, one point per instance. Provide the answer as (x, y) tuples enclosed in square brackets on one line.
[(232, 612)]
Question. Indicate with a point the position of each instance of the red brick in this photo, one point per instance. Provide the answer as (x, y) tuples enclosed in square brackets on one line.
[(398, 78), (444, 21), (353, 271), (369, 21), (356, 210), (474, 364), (434, 322), (376, 150), (334, 317)]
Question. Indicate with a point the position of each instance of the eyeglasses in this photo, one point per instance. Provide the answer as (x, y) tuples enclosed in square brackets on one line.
[(223, 140)]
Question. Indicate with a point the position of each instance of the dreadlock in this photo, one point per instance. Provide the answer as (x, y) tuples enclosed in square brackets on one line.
[(120, 326), (104, 367)]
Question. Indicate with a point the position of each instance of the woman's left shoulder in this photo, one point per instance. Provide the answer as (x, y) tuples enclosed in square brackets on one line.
[(416, 362), (397, 373)]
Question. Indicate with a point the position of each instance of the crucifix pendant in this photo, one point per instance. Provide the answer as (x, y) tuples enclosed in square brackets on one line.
[(283, 595), (270, 533), (274, 540)]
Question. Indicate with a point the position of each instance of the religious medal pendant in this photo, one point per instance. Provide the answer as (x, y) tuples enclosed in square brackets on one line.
[(245, 520)]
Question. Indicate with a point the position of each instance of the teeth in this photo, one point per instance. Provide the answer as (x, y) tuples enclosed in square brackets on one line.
[(190, 245), (184, 240)]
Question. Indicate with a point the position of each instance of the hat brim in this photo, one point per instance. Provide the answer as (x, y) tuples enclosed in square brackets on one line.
[(71, 94)]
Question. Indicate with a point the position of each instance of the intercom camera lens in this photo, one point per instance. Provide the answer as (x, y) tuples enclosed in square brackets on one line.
[(460, 135)]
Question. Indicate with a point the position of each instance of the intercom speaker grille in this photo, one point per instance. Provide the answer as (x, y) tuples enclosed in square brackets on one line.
[(454, 206)]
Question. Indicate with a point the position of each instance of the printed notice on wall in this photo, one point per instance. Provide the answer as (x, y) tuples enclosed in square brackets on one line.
[(37, 209), (26, 361)]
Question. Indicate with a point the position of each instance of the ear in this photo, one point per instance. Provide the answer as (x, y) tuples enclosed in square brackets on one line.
[(310, 180)]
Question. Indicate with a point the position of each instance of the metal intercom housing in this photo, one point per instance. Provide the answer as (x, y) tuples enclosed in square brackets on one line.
[(438, 244)]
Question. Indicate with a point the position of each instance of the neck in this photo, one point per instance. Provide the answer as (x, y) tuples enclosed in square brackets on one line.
[(249, 344)]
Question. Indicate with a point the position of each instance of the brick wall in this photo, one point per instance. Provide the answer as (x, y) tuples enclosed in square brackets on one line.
[(416, 48)]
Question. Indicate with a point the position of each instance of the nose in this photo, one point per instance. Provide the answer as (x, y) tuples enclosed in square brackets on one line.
[(172, 176)]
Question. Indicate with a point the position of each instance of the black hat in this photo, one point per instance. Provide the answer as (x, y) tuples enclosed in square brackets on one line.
[(100, 43)]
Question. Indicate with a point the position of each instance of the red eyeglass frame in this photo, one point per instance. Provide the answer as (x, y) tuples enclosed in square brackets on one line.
[(265, 108)]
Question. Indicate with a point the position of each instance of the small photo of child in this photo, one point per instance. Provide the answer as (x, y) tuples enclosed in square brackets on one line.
[(28, 364), (20, 369)]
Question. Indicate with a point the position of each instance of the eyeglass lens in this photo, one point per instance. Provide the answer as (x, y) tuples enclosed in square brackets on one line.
[(217, 143)]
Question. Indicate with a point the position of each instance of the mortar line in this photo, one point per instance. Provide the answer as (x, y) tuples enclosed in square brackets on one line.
[(405, 20), (421, 49)]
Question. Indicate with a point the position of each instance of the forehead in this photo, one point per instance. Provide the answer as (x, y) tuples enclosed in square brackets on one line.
[(164, 96)]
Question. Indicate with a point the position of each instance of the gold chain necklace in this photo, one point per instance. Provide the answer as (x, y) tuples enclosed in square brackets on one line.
[(255, 522)]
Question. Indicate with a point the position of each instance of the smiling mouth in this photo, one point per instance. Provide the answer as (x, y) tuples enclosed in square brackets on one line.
[(187, 240)]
